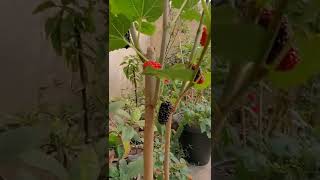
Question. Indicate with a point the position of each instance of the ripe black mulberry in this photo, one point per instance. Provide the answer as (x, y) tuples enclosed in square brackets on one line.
[(164, 112), (198, 74)]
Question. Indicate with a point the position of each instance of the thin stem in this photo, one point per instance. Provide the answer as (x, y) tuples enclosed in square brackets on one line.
[(166, 164), (142, 57), (204, 50), (180, 47), (136, 43), (260, 115), (205, 9), (140, 24), (84, 79), (171, 39), (163, 46), (179, 12), (196, 38), (133, 36), (135, 87), (165, 30), (256, 73), (183, 91)]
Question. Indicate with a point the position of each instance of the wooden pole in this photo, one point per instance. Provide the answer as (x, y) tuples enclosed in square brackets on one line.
[(149, 121)]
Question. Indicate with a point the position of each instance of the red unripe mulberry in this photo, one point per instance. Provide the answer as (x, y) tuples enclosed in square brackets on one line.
[(290, 60), (204, 36), (153, 64)]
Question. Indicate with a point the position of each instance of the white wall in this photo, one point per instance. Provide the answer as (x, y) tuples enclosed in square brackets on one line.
[(27, 59), (118, 83)]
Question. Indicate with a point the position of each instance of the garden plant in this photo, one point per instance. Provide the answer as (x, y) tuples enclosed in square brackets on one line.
[(59, 141), (139, 18), (259, 117)]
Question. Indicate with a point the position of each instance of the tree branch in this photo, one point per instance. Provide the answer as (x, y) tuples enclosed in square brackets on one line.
[(255, 73), (163, 45)]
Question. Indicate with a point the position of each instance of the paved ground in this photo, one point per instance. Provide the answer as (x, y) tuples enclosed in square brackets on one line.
[(201, 172)]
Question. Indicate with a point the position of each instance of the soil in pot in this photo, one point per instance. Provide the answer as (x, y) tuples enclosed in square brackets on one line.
[(196, 145)]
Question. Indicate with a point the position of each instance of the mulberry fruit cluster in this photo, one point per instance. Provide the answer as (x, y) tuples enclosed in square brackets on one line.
[(204, 36), (291, 59), (153, 64), (199, 74), (164, 112)]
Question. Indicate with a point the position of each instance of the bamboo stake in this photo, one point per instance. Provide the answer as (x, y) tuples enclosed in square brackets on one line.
[(149, 121)]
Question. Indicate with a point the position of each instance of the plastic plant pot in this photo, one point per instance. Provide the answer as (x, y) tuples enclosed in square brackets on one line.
[(196, 145)]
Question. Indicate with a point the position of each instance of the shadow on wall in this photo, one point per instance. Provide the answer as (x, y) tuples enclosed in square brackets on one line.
[(28, 63)]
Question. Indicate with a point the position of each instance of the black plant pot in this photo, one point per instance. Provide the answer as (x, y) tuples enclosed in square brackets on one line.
[(196, 145)]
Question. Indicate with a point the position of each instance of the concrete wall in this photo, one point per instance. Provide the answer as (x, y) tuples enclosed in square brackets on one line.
[(27, 60), (118, 83)]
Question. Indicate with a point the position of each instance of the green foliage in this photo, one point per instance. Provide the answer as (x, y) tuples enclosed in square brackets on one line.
[(119, 26), (127, 133), (198, 115), (44, 6), (191, 14), (207, 14), (302, 13), (42, 144), (131, 69), (190, 4), (190, 11), (178, 167), (122, 132), (287, 152), (136, 167), (65, 28), (306, 69), (288, 158), (136, 115), (147, 28), (137, 10), (123, 13), (86, 166), (114, 140), (224, 15), (42, 161), (239, 42), (230, 32), (207, 82), (26, 175), (120, 137), (15, 142), (142, 14), (177, 72), (126, 171), (115, 106)]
